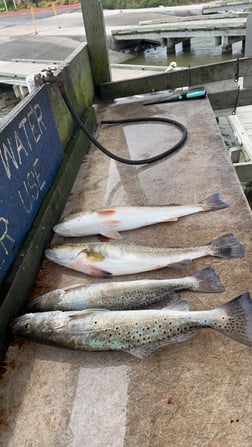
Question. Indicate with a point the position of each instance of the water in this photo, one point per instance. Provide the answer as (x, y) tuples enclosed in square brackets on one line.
[(203, 51)]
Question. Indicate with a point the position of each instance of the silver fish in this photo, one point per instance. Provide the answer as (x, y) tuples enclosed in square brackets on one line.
[(124, 295), (138, 332), (109, 222), (104, 260)]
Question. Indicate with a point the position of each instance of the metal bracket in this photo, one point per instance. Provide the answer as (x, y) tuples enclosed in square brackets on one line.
[(48, 78)]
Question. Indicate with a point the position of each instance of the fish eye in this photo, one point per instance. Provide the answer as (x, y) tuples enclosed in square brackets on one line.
[(27, 326)]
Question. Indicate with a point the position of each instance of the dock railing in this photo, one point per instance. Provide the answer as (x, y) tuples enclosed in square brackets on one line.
[(107, 90)]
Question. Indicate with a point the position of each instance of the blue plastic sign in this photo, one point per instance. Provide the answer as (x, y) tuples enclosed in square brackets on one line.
[(30, 156)]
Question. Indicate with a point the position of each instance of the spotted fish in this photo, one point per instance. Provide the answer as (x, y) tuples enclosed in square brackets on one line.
[(124, 295), (138, 332), (106, 260), (109, 222)]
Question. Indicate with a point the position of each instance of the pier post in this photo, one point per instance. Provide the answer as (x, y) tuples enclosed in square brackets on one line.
[(217, 41), (96, 38), (226, 45), (243, 44), (171, 46), (163, 41), (186, 44)]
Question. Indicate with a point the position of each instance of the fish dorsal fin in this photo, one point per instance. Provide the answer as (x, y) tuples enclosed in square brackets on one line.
[(181, 306)]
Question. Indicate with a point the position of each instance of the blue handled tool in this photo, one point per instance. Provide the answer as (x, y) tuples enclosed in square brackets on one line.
[(196, 94)]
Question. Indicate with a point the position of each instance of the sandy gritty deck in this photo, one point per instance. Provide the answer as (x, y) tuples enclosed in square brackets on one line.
[(196, 393)]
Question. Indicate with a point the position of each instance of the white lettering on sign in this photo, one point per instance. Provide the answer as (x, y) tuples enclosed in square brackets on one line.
[(6, 154), (20, 147), (22, 126), (39, 116), (29, 131), (31, 186), (4, 239)]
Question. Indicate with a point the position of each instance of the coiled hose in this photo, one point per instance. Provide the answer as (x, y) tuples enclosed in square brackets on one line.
[(115, 157)]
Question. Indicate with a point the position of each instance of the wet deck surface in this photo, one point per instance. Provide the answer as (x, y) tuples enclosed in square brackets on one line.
[(196, 393)]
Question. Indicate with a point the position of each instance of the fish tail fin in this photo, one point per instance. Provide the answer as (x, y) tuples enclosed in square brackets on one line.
[(207, 281), (226, 247), (234, 319), (213, 202)]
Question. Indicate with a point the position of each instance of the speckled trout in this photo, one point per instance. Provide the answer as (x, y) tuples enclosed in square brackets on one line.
[(109, 222), (138, 332), (110, 259), (124, 295)]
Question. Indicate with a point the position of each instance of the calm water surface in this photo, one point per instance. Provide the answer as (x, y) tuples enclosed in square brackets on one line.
[(203, 51)]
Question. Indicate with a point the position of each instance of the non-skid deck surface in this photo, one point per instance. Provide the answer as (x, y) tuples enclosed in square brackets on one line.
[(195, 394)]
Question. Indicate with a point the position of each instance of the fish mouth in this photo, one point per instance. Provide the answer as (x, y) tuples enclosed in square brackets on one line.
[(33, 305), (56, 254), (60, 229), (52, 254)]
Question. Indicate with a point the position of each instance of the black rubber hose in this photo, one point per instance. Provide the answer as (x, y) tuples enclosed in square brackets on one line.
[(129, 120)]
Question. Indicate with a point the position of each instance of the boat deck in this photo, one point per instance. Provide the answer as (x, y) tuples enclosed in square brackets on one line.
[(196, 393)]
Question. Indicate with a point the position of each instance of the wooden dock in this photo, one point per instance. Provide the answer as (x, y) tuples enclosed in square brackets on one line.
[(225, 31), (195, 393), (227, 6)]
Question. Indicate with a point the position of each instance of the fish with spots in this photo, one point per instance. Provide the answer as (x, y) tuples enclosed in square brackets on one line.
[(110, 221), (138, 332), (123, 295), (103, 260)]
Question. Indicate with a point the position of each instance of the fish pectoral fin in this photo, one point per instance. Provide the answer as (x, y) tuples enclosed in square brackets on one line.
[(93, 270), (57, 325), (94, 257), (112, 223), (85, 313), (181, 265)]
